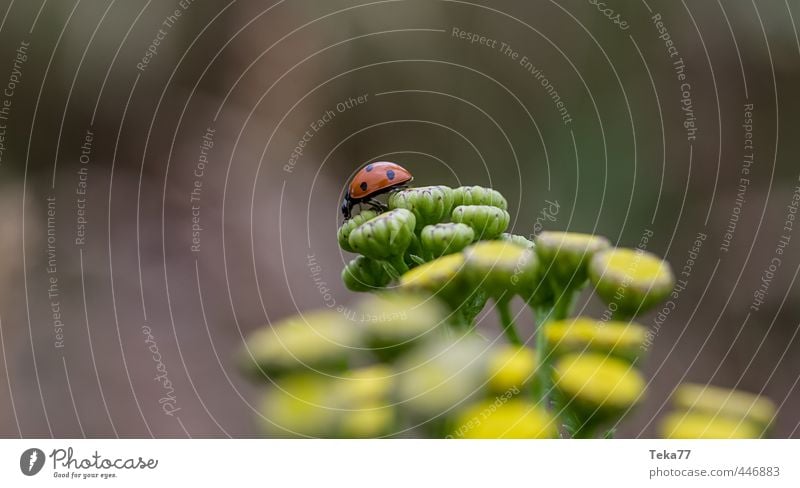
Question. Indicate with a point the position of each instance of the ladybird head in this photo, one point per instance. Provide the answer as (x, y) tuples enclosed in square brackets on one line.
[(347, 206)]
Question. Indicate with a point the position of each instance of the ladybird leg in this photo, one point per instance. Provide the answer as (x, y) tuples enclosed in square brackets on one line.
[(398, 188), (376, 205)]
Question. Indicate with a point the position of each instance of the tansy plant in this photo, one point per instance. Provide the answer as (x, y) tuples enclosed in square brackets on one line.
[(407, 359)]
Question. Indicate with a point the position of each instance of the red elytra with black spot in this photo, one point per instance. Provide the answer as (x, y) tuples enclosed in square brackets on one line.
[(371, 181)]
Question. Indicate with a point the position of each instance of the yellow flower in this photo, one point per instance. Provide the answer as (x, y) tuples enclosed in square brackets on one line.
[(565, 255), (367, 385), (440, 277), (511, 367), (440, 375), (631, 281), (301, 405), (496, 253), (596, 381), (621, 339), (313, 405), (733, 404), (698, 425), (315, 340), (505, 419), (394, 322), (500, 267), (369, 421)]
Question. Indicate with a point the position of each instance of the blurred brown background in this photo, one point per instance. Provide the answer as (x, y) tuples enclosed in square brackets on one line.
[(154, 91)]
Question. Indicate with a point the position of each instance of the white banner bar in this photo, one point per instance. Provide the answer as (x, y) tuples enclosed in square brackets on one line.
[(400, 463)]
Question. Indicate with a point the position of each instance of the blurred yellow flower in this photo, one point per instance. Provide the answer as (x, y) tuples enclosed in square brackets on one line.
[(621, 339), (699, 425), (440, 375), (435, 274), (393, 321), (505, 419), (314, 340), (301, 405), (313, 405), (440, 277), (366, 385), (511, 367), (733, 404), (371, 420)]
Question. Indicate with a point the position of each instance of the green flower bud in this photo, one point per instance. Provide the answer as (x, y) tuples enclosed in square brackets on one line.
[(505, 419), (599, 387), (488, 222), (302, 405), (441, 278), (429, 204), (386, 237), (621, 339), (440, 239), (393, 323), (440, 375), (365, 274), (518, 240), (350, 225), (630, 281), (565, 256), (700, 425), (320, 341), (721, 402), (500, 267), (478, 195), (511, 368)]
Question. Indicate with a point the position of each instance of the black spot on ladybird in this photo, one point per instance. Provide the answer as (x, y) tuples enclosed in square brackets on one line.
[(390, 175), (363, 186)]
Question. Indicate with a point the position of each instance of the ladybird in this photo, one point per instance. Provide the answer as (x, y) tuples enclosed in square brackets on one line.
[(372, 180)]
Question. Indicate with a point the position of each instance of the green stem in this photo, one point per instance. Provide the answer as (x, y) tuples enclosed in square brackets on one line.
[(508, 321), (542, 316), (473, 306), (584, 431), (621, 316), (564, 303), (399, 264), (560, 310), (458, 319)]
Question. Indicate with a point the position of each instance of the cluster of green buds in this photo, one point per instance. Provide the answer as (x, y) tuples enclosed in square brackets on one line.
[(422, 224), (711, 412), (408, 359)]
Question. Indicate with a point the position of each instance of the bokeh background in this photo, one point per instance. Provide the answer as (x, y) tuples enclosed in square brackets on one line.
[(146, 129)]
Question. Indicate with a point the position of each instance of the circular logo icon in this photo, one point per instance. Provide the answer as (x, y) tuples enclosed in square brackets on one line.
[(31, 461)]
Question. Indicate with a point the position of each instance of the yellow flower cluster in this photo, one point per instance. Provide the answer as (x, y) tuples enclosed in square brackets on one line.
[(388, 368), (408, 360)]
